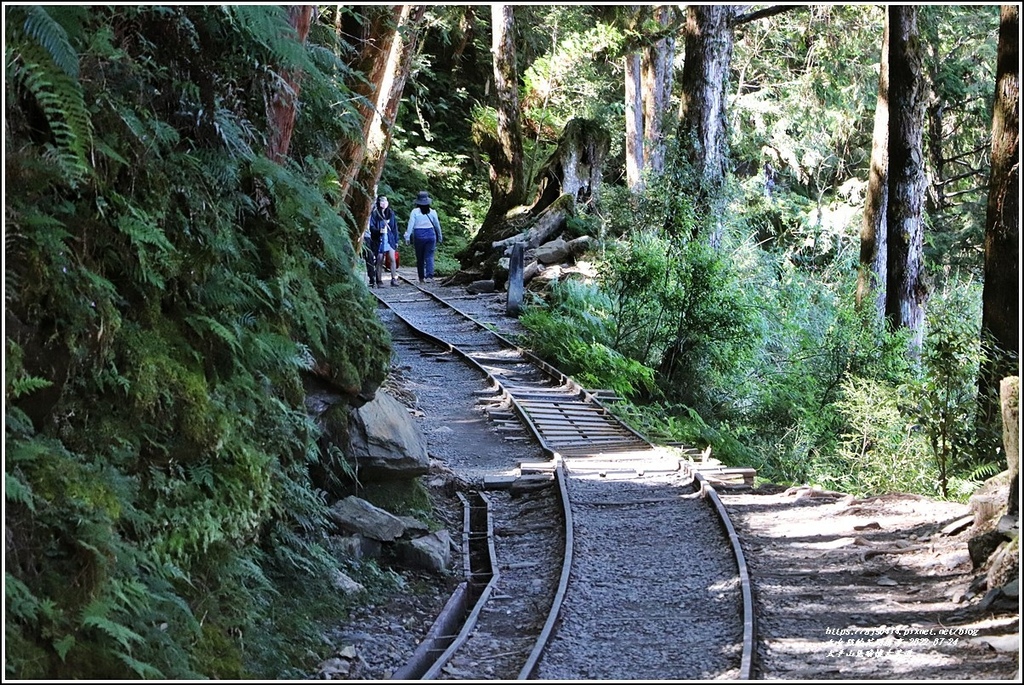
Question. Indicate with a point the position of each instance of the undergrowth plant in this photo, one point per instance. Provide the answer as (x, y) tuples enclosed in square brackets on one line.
[(176, 293), (882, 448), (951, 357), (574, 331)]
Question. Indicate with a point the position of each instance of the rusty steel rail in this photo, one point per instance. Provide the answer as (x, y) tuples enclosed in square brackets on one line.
[(567, 421)]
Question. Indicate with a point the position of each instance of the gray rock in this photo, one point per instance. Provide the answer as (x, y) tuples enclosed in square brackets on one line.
[(552, 252), (578, 246), (483, 286), (355, 546), (344, 584), (385, 442), (356, 515), (429, 552), (414, 527)]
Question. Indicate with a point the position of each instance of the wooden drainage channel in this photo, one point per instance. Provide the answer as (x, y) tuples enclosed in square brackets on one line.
[(551, 403), (457, 619)]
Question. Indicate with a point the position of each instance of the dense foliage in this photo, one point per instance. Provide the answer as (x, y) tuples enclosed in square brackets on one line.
[(169, 290), (758, 348)]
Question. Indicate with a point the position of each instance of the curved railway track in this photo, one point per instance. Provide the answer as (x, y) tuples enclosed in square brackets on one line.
[(629, 576)]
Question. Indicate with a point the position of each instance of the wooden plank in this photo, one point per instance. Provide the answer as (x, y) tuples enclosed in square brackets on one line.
[(494, 482), (572, 420), (568, 401), (586, 433), (594, 442), (536, 467), (580, 412)]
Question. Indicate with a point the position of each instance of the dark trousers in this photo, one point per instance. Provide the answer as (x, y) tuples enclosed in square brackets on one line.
[(425, 243), (371, 258)]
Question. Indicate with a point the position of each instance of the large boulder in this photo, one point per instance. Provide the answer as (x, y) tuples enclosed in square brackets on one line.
[(427, 553), (356, 515), (385, 442)]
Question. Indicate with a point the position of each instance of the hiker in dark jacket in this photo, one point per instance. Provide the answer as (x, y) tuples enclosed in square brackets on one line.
[(382, 241)]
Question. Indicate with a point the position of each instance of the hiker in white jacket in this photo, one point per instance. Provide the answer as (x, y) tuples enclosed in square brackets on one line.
[(424, 232)]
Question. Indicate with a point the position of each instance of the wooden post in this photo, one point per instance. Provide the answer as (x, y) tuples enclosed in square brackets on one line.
[(514, 302), (1009, 392)]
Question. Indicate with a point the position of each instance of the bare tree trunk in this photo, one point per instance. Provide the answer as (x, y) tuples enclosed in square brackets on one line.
[(388, 97), (634, 124), (569, 181), (702, 127), (1000, 318), (656, 66), (507, 180), (281, 109), (871, 279), (467, 26), (906, 291), (373, 37), (575, 167)]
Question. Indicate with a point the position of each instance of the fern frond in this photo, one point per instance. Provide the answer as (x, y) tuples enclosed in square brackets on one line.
[(63, 646), (27, 384), (47, 32), (268, 25), (201, 474), (986, 470), (237, 134), (206, 323), (143, 669), (16, 490), (95, 616), (21, 603), (62, 102)]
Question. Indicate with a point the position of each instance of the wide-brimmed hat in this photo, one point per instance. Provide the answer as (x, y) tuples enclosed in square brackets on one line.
[(423, 199)]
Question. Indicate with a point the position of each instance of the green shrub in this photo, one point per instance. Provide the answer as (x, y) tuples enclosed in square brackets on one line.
[(574, 333), (883, 449), (951, 358)]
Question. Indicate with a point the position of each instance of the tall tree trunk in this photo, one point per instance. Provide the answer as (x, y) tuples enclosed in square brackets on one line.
[(467, 25), (871, 279), (372, 34), (634, 124), (381, 125), (1000, 318), (906, 291), (702, 127), (656, 66), (281, 109), (507, 177)]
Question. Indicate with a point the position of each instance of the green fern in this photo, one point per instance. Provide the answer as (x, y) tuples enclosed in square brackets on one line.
[(268, 25), (41, 27), (41, 60), (96, 615), (16, 490), (984, 471), (26, 384)]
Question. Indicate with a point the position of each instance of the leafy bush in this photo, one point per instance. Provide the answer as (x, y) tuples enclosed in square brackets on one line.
[(573, 332), (883, 448), (947, 391)]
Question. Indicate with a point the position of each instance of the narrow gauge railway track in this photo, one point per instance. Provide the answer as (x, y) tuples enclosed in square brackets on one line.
[(649, 587)]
